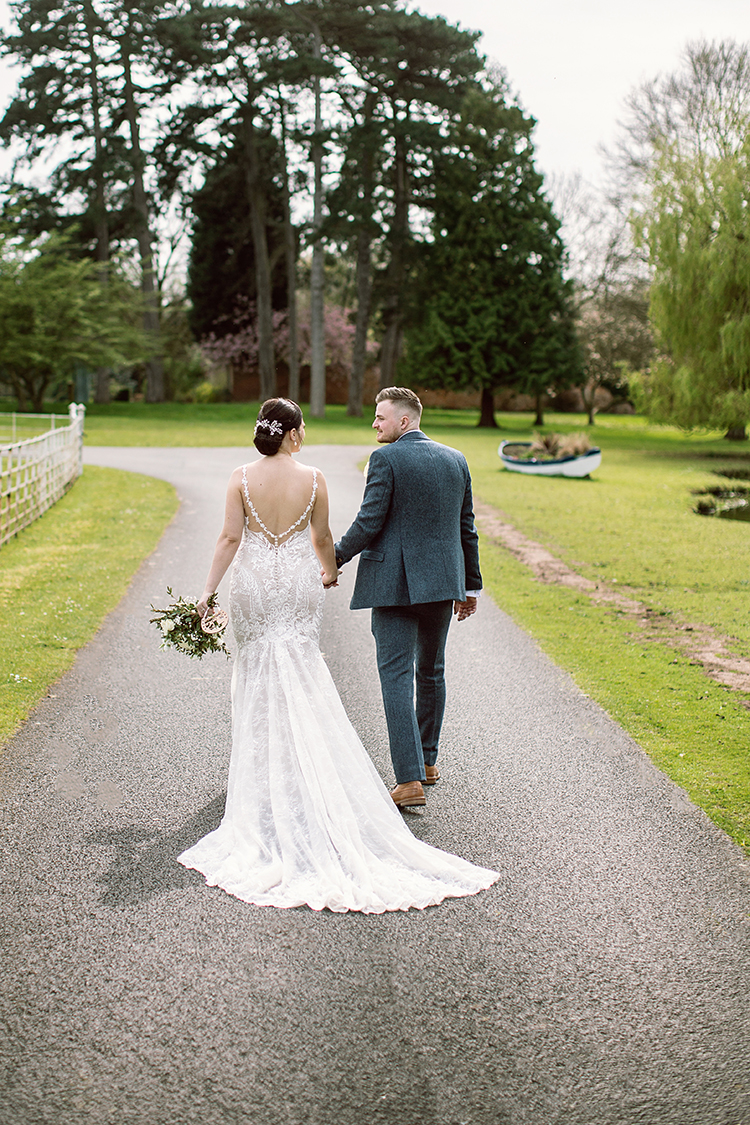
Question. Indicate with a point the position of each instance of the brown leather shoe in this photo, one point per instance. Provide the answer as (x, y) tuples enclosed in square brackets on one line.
[(432, 773), (408, 794)]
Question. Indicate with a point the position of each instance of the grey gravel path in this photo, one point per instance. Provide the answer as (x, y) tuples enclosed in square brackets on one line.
[(605, 980)]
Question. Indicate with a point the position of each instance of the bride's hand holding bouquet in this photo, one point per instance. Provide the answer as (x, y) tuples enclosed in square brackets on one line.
[(193, 628)]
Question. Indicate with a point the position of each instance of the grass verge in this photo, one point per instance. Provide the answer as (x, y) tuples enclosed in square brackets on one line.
[(696, 731), (632, 526), (61, 576)]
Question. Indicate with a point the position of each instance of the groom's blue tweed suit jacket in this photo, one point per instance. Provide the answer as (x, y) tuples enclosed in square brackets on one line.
[(415, 529)]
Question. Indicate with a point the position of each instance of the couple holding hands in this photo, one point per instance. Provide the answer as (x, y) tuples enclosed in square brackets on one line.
[(307, 818)]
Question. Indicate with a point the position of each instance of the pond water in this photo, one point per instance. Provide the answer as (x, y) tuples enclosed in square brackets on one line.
[(729, 503)]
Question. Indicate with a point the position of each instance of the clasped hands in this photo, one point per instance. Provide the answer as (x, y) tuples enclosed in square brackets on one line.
[(331, 582)]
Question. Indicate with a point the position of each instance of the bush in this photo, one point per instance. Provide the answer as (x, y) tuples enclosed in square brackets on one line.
[(207, 392)]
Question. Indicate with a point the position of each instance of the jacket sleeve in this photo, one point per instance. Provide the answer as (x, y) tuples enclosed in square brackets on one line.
[(470, 540), (373, 512)]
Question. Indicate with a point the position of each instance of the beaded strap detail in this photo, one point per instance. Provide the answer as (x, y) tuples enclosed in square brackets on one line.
[(276, 539)]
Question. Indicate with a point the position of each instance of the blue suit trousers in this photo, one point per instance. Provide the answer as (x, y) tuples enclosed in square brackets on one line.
[(410, 642)]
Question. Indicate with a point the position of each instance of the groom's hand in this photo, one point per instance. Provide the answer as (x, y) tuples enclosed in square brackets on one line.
[(462, 610)]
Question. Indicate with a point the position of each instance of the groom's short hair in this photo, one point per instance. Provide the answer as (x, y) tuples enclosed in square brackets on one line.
[(403, 397)]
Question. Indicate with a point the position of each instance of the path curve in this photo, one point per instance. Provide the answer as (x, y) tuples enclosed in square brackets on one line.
[(604, 979)]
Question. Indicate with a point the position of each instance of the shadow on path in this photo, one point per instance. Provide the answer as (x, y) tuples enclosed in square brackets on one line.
[(145, 863)]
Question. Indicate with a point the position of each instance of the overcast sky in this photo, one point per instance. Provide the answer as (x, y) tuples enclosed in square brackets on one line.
[(572, 62)]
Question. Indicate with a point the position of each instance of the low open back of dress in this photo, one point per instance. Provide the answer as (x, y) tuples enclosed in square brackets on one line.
[(276, 540)]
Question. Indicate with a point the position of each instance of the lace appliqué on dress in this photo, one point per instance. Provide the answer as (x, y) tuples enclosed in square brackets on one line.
[(276, 594)]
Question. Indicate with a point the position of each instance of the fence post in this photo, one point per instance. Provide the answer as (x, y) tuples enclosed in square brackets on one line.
[(77, 412)]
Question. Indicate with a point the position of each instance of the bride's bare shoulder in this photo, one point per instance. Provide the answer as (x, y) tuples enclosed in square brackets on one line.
[(251, 469), (237, 474), (308, 470)]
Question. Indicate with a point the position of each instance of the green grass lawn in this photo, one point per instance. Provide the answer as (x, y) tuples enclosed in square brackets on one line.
[(24, 427), (630, 526), (695, 730), (202, 424), (61, 576)]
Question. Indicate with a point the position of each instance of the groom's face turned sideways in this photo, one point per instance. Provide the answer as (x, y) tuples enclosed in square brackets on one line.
[(391, 421)]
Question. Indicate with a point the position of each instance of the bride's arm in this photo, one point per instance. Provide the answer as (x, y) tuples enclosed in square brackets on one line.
[(228, 541), (320, 535)]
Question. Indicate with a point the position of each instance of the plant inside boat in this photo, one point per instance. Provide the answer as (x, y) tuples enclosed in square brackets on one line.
[(574, 445), (545, 446), (550, 447)]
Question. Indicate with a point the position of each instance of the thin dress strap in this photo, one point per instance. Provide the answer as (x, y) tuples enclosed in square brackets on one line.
[(275, 539)]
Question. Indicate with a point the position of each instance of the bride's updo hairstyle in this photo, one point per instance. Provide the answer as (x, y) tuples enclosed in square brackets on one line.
[(275, 417)]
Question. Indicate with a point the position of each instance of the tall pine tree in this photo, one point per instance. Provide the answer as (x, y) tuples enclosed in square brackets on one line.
[(491, 307), (221, 273)]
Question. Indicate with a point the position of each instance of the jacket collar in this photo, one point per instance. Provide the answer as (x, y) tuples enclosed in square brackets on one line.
[(418, 434)]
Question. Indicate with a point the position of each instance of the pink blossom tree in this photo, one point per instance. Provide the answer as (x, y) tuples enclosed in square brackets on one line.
[(239, 350)]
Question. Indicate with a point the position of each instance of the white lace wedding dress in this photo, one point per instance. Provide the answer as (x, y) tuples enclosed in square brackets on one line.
[(307, 818)]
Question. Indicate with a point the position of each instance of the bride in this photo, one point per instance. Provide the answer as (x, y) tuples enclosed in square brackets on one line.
[(307, 818)]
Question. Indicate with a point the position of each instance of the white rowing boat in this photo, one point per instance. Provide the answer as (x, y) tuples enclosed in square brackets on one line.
[(577, 465)]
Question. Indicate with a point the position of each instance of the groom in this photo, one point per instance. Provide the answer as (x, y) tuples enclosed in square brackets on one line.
[(419, 565)]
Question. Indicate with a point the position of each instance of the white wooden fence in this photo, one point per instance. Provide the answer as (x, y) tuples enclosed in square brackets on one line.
[(36, 472)]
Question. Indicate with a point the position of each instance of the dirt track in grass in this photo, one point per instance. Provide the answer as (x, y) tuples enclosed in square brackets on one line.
[(700, 643)]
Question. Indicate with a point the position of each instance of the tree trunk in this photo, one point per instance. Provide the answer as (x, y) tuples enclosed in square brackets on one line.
[(364, 262), (154, 365), (390, 350), (364, 299), (487, 414), (257, 203), (37, 396), (317, 278), (539, 420), (588, 394), (396, 272), (736, 432), (101, 385), (101, 224), (290, 251), (20, 392)]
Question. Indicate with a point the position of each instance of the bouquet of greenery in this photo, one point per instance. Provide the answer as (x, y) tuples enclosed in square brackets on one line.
[(182, 627)]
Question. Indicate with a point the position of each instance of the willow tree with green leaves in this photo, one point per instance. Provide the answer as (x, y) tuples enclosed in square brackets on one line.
[(699, 241), (687, 149)]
